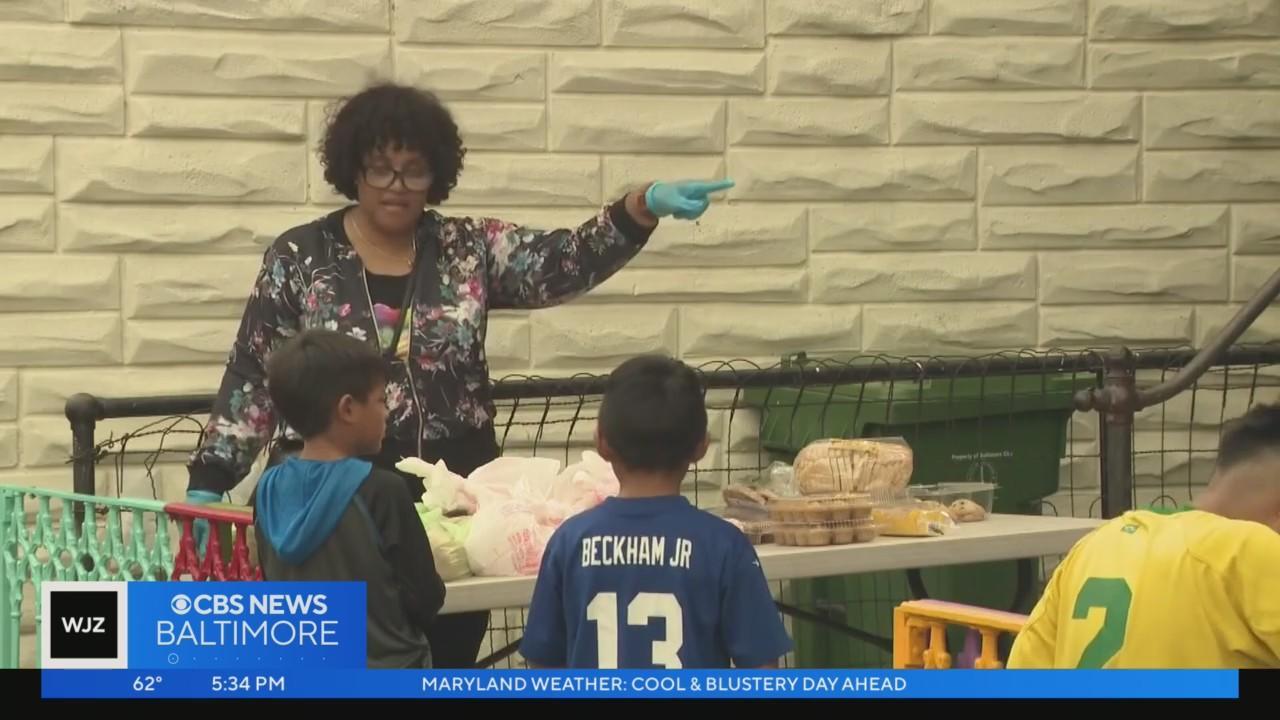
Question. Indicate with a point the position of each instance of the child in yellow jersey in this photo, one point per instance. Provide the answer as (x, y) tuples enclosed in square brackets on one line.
[(1195, 589)]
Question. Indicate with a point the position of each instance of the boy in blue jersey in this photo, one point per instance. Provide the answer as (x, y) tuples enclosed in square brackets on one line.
[(646, 580)]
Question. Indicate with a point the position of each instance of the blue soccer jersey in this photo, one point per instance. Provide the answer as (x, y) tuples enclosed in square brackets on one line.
[(651, 583)]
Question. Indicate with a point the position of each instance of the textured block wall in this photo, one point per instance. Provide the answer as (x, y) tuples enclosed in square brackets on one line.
[(913, 175)]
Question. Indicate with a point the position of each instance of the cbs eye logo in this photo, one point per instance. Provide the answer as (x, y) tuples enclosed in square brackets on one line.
[(180, 604), (84, 625)]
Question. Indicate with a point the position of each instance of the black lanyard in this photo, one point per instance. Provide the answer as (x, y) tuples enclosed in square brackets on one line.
[(406, 302)]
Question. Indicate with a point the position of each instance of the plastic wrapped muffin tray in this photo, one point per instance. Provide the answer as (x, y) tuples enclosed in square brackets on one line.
[(821, 508), (831, 532), (759, 532)]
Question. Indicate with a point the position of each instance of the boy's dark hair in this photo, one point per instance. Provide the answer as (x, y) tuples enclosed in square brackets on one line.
[(1255, 433), (383, 116), (652, 416), (309, 374)]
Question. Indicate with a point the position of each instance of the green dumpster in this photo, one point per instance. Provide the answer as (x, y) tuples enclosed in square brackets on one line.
[(1008, 430)]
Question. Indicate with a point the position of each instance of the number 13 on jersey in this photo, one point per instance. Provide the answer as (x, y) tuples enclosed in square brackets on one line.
[(644, 607)]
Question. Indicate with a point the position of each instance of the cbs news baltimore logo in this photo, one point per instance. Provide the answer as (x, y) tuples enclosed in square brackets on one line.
[(84, 625)]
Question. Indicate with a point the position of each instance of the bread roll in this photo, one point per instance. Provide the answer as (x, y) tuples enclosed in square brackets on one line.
[(965, 510), (743, 495), (864, 466)]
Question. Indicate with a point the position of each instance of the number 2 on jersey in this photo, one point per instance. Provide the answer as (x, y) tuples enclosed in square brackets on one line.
[(603, 611), (1114, 596)]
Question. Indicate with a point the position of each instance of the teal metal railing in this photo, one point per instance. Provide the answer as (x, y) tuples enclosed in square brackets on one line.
[(72, 537)]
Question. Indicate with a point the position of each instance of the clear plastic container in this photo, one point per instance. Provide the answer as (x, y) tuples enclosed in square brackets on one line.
[(747, 502), (821, 508), (745, 512), (982, 494), (890, 496), (758, 532), (781, 479), (836, 532)]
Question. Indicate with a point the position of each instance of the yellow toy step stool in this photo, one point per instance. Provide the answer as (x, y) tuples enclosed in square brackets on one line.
[(920, 633)]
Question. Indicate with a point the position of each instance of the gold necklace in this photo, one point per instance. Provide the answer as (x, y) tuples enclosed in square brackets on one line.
[(355, 225)]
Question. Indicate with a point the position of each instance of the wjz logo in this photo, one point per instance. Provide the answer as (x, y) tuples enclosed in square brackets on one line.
[(80, 625), (84, 625)]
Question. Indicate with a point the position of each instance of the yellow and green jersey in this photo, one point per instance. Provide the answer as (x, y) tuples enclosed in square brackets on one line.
[(1148, 590)]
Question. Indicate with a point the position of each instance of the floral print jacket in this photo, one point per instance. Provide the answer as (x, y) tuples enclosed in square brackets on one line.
[(312, 277)]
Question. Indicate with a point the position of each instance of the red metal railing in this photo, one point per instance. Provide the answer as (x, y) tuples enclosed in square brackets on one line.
[(224, 523)]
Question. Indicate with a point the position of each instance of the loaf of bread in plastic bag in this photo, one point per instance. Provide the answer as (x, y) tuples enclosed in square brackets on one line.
[(864, 466)]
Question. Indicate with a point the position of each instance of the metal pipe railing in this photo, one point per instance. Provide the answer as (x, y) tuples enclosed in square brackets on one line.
[(1119, 399)]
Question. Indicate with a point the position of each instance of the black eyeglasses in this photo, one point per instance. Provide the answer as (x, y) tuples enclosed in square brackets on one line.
[(383, 178)]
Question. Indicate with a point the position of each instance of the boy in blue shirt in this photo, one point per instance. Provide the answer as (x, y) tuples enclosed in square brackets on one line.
[(646, 580)]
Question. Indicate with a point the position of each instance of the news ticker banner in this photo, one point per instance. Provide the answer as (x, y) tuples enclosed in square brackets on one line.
[(307, 640), (636, 684)]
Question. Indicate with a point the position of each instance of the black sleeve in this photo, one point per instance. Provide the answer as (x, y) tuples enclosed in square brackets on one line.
[(634, 231), (405, 545), (243, 418)]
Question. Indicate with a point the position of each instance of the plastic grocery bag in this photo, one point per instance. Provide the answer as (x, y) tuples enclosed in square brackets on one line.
[(444, 489), (507, 539), (448, 537), (587, 483), (508, 477), (514, 518), (519, 504)]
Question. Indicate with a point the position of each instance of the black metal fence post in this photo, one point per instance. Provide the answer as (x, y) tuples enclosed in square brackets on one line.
[(1121, 381), (1116, 402), (83, 411)]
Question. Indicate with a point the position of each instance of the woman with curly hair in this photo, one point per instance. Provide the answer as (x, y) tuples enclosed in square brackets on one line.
[(418, 285)]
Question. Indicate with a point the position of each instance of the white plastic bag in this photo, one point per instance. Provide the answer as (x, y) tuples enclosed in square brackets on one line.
[(519, 504), (444, 489), (513, 519), (508, 477), (587, 483), (507, 539)]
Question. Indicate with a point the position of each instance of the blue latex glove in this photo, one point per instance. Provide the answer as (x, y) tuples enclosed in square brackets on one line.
[(201, 526), (684, 200)]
